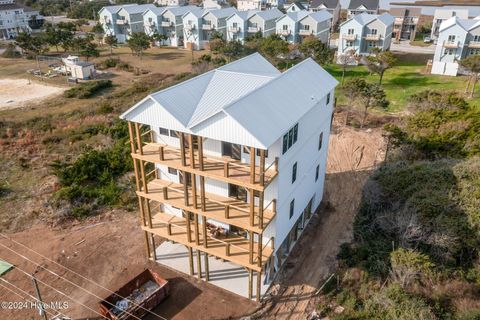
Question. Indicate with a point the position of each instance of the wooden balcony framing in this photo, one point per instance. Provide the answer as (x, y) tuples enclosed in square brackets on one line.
[(223, 209), (451, 44), (474, 44), (234, 248)]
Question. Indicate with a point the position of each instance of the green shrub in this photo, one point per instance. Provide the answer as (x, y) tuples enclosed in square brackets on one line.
[(109, 63), (87, 89)]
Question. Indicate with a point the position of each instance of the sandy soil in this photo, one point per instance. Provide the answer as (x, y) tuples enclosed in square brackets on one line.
[(16, 93), (110, 252), (352, 156)]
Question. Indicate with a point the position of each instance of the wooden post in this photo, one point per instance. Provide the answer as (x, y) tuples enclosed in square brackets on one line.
[(169, 229), (192, 151), (187, 221), (260, 210), (147, 244), (252, 207), (190, 260), (139, 138), (202, 193), (165, 193), (227, 211), (272, 243), (250, 247), (148, 213), (132, 141), (144, 178), (227, 249), (252, 165), (225, 169), (199, 264), (207, 276), (274, 206), (197, 231), (259, 286), (185, 188), (262, 167), (154, 254), (161, 154), (194, 190), (250, 284), (182, 149), (259, 249), (204, 231), (200, 153), (142, 212)]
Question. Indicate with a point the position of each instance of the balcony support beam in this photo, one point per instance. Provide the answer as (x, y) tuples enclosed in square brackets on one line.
[(250, 247), (189, 228), (192, 151), (252, 207), (207, 275), (202, 193), (182, 149), (250, 284), (262, 167), (200, 153), (259, 286), (252, 165), (190, 259), (131, 134), (204, 231), (197, 231), (139, 138), (199, 264), (194, 191)]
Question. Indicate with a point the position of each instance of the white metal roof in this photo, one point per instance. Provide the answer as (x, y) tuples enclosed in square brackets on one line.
[(270, 14), (134, 9), (465, 24), (365, 18), (320, 16), (250, 91)]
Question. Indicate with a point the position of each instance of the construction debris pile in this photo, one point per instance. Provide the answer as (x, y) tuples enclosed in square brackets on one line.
[(135, 298)]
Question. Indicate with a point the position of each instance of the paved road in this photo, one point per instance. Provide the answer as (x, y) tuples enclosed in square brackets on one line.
[(404, 46)]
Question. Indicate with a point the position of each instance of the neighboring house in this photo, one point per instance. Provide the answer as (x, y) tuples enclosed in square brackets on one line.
[(15, 18), (296, 25), (296, 6), (364, 32), (214, 4), (123, 20), (441, 15), (171, 3), (406, 21), (274, 4), (245, 5), (247, 23), (199, 24), (332, 6), (457, 39), (238, 172), (357, 7), (166, 21)]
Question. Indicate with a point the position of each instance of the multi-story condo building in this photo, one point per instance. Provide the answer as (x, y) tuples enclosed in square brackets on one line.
[(332, 6), (171, 3), (295, 25), (248, 23), (166, 21), (246, 5), (364, 32), (357, 7), (15, 18), (227, 169), (406, 21), (214, 4), (441, 15), (457, 39), (199, 24), (123, 20)]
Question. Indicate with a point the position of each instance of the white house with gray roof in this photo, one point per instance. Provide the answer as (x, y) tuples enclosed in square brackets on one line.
[(247, 23), (199, 24), (295, 25), (441, 15), (166, 21), (332, 6), (457, 39), (123, 20), (357, 7), (257, 151), (364, 32)]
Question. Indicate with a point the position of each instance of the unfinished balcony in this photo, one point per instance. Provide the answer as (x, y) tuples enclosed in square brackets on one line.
[(231, 211), (166, 24), (234, 29), (474, 44), (122, 22), (451, 44), (284, 32), (305, 32), (207, 27), (372, 37), (192, 159), (349, 37), (200, 236)]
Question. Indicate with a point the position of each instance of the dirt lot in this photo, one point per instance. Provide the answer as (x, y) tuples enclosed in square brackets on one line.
[(16, 93)]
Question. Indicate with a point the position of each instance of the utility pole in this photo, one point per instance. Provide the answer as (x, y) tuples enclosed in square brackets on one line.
[(39, 298)]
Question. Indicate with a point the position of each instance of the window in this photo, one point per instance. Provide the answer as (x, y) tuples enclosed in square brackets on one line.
[(306, 27), (351, 31), (290, 138), (349, 43), (172, 171), (448, 51), (292, 207), (317, 172), (374, 31), (235, 24), (294, 172), (285, 27), (328, 98), (451, 38), (320, 141), (164, 131), (173, 133), (476, 38)]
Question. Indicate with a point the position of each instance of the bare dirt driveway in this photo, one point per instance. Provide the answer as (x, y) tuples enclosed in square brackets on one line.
[(352, 155)]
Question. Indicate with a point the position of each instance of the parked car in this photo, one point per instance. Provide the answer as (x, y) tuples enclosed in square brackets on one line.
[(427, 40)]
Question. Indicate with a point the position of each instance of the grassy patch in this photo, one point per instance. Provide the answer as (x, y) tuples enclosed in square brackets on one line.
[(401, 82), (87, 89)]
